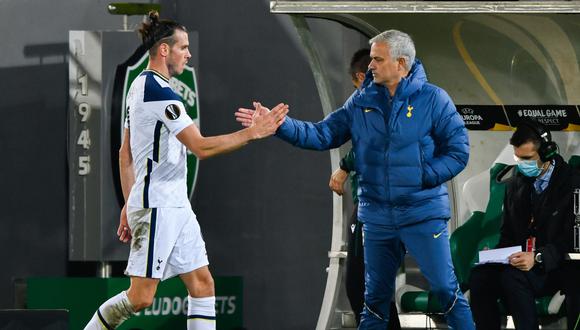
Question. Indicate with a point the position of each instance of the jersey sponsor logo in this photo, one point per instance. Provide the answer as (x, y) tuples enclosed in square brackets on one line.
[(172, 112)]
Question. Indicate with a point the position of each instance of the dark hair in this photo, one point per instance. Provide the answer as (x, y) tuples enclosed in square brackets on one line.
[(156, 31), (359, 62), (530, 130), (525, 133)]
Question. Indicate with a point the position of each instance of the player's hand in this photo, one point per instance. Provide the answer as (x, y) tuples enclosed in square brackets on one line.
[(337, 180), (124, 232), (266, 122), (522, 260)]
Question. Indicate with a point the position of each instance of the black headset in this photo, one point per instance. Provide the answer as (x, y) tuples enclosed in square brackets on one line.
[(548, 148)]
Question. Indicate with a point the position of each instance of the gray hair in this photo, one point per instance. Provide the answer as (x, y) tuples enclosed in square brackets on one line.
[(400, 44)]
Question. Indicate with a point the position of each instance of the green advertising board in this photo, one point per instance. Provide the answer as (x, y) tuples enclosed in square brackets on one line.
[(82, 296)]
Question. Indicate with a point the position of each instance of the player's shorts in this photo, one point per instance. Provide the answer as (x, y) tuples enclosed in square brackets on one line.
[(166, 242)]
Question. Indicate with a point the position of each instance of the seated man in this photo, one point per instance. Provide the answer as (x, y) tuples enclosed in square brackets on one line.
[(537, 215)]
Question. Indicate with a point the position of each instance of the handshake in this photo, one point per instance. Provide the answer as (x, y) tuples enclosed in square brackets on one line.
[(262, 121)]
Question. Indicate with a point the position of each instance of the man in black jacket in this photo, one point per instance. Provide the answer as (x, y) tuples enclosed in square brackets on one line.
[(537, 215)]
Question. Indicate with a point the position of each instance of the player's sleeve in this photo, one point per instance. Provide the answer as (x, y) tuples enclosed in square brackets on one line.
[(173, 115)]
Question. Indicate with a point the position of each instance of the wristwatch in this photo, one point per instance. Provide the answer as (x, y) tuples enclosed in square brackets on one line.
[(538, 258)]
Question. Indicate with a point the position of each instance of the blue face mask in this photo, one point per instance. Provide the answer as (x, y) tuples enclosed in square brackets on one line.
[(529, 168)]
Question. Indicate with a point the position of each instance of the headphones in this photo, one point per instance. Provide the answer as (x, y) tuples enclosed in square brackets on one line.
[(548, 148)]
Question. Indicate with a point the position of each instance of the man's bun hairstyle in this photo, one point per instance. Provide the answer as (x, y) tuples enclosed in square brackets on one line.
[(154, 30)]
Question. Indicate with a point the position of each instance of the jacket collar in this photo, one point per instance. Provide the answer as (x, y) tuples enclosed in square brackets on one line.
[(373, 94)]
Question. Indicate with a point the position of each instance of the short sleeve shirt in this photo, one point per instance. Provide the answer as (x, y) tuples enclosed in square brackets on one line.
[(155, 115)]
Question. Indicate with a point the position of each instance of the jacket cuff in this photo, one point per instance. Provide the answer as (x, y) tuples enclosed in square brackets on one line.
[(284, 130), (343, 166)]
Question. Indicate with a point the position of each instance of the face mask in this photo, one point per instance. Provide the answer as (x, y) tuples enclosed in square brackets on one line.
[(529, 168)]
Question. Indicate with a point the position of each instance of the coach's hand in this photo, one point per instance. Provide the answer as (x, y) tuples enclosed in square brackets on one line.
[(124, 232)]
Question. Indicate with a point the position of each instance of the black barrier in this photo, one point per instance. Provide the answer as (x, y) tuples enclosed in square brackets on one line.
[(27, 319), (506, 117)]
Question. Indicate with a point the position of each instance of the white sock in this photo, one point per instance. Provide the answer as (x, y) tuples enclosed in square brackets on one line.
[(112, 313), (201, 313)]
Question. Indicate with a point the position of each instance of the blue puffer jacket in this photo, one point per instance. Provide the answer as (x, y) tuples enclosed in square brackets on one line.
[(407, 146)]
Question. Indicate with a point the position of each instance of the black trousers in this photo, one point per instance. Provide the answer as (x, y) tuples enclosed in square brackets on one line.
[(355, 274), (570, 276), (517, 290)]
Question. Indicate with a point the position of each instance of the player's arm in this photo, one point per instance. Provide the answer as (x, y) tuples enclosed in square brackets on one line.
[(126, 165), (265, 125), (127, 175)]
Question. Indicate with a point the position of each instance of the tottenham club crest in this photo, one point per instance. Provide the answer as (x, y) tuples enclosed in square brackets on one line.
[(172, 112)]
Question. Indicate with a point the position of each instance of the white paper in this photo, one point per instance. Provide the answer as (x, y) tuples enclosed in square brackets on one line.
[(499, 256)]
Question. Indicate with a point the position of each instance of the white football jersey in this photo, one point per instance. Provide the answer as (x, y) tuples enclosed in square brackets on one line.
[(155, 115)]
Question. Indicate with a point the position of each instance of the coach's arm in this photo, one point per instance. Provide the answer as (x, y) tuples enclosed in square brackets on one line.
[(205, 147)]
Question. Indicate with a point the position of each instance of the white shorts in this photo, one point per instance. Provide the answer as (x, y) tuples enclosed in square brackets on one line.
[(166, 242)]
